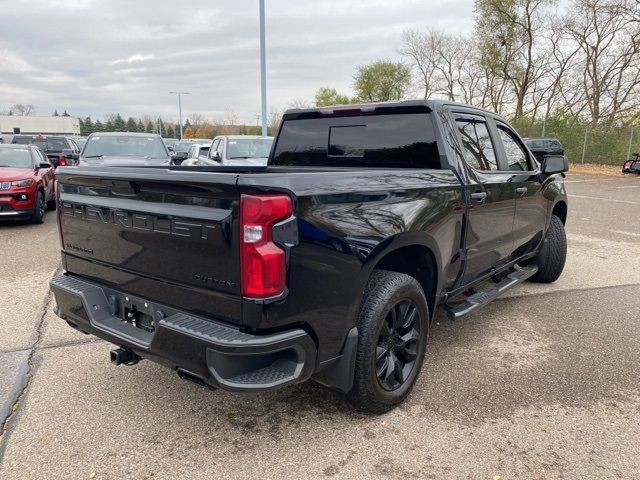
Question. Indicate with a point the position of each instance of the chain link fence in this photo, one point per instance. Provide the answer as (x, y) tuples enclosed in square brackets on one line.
[(587, 144)]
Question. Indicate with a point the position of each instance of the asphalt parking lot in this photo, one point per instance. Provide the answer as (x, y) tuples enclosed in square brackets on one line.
[(542, 384)]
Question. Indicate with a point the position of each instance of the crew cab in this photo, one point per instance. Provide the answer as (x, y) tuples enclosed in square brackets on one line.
[(326, 264), (27, 183)]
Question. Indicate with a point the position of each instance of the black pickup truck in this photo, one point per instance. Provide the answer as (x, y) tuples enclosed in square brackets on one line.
[(328, 263)]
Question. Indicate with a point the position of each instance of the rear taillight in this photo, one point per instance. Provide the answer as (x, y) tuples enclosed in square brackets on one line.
[(62, 161), (628, 164), (264, 266)]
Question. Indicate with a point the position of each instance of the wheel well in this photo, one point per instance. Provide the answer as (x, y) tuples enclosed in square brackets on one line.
[(560, 211), (417, 261)]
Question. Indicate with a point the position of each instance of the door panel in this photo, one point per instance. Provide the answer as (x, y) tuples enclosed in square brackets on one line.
[(531, 207), (491, 202)]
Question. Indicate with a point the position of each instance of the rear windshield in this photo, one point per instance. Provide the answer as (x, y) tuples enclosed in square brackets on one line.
[(391, 141), (124, 146), (49, 144)]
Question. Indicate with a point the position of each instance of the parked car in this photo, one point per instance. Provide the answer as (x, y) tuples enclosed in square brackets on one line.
[(79, 141), (328, 263), (170, 142), (198, 150), (633, 165), (544, 146), (238, 150), (181, 150), (123, 149), (54, 146), (27, 183)]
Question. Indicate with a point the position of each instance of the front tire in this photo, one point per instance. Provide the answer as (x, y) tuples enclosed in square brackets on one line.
[(38, 212), (553, 253), (393, 330)]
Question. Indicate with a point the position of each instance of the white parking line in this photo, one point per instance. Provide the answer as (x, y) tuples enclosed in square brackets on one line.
[(631, 234), (604, 199), (630, 186), (592, 180)]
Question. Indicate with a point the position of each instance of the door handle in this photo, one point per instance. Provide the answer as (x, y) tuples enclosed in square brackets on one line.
[(521, 190), (479, 196)]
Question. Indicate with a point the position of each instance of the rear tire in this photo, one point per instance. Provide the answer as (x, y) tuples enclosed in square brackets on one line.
[(393, 329), (38, 211), (553, 253), (51, 204)]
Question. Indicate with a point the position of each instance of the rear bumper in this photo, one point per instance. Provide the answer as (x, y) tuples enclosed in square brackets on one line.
[(211, 352)]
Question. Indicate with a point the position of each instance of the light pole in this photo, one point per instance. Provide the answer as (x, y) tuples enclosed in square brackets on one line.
[(180, 107), (263, 71)]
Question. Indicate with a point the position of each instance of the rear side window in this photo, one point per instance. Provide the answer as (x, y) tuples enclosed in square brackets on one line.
[(386, 141), (478, 148), (517, 157)]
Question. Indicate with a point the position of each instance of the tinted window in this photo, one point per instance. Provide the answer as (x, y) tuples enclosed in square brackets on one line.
[(516, 156), (478, 149), (402, 140), (49, 144)]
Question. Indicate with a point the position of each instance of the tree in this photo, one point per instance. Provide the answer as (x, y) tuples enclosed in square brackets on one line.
[(131, 125), (300, 103), (509, 32), (275, 117), (326, 96), (22, 109), (55, 113), (606, 36), (119, 124), (149, 128), (140, 126), (98, 126), (89, 128), (170, 133), (188, 132), (81, 125), (65, 114), (108, 127), (382, 81), (205, 130)]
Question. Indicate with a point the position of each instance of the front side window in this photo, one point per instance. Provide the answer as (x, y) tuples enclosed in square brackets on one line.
[(517, 158), (478, 148)]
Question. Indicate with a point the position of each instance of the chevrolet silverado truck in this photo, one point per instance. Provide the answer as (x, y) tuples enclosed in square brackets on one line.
[(326, 264)]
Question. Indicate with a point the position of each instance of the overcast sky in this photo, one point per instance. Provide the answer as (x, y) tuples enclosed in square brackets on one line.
[(98, 57)]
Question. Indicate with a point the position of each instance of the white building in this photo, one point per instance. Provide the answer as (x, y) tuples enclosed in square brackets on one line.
[(33, 124)]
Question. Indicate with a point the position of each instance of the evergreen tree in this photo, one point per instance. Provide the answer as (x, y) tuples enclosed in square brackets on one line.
[(108, 127), (55, 113), (65, 114), (131, 125), (150, 128), (82, 128), (170, 133), (98, 126), (140, 126), (187, 124), (119, 124), (88, 126), (161, 127)]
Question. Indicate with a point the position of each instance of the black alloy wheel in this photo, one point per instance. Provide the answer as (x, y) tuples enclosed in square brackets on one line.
[(398, 344)]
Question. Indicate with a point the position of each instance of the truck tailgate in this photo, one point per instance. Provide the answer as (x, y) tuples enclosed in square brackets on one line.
[(165, 235)]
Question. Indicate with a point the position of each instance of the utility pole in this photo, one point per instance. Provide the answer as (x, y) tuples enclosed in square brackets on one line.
[(584, 145), (180, 107), (263, 70)]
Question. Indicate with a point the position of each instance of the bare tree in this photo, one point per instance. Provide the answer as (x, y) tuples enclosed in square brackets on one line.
[(419, 48), (606, 34), (300, 103), (22, 109)]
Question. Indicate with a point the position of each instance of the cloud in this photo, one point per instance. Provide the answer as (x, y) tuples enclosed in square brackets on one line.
[(121, 56)]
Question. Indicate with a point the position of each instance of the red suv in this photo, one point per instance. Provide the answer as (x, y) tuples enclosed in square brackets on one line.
[(27, 183)]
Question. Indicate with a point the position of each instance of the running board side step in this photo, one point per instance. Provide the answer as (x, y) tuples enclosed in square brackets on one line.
[(481, 298)]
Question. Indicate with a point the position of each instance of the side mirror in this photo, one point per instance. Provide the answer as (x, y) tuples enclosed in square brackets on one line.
[(215, 156), (44, 165), (170, 148), (554, 164)]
